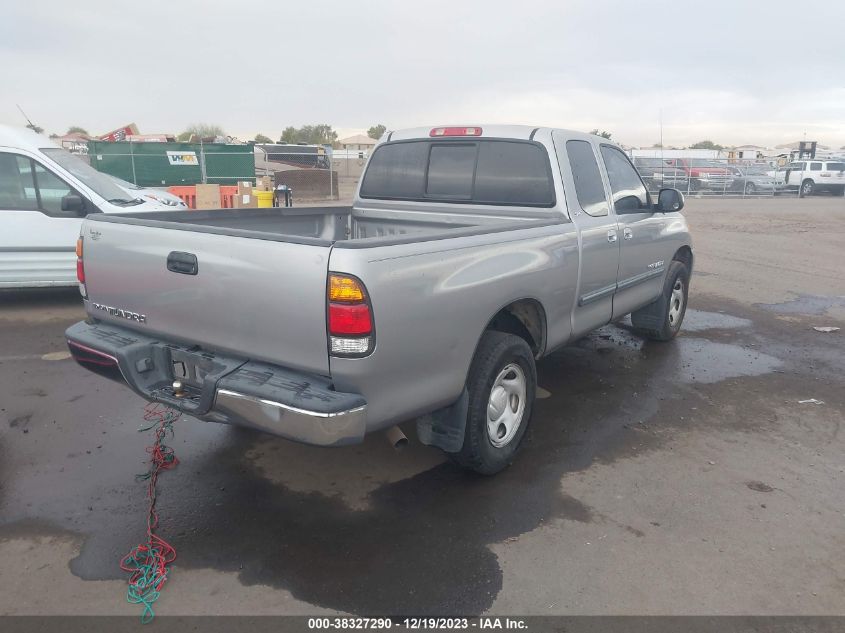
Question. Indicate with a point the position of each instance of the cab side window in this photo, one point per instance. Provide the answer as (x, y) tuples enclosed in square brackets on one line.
[(27, 185), (17, 183), (585, 171), (815, 166), (629, 192)]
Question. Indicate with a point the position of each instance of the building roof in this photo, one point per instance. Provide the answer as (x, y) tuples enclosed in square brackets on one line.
[(358, 139), (749, 146)]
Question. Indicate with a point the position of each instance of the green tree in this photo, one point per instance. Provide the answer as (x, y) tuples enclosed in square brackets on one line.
[(260, 138), (75, 129), (657, 146), (289, 135), (603, 133), (376, 131), (706, 145), (35, 128), (319, 134), (200, 130)]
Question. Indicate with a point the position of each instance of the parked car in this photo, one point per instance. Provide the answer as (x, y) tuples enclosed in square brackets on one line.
[(468, 253), (44, 194), (657, 174), (157, 195), (814, 176), (753, 179), (704, 174)]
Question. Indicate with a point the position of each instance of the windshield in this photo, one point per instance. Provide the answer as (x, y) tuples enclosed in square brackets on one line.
[(99, 183), (125, 184)]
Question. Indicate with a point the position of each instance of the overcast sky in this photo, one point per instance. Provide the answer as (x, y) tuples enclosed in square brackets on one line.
[(734, 71)]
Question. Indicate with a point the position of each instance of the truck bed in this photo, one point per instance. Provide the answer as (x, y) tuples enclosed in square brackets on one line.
[(321, 226)]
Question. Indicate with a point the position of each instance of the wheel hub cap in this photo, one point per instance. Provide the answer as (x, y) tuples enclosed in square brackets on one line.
[(506, 405), (676, 302)]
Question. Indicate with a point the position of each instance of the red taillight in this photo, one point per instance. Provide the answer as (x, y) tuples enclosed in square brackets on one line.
[(455, 131), (350, 320), (80, 269)]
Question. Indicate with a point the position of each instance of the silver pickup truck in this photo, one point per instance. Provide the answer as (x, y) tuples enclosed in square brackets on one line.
[(468, 253)]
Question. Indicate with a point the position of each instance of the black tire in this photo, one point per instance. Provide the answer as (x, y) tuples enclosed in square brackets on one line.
[(839, 191), (750, 189), (496, 351), (662, 319), (808, 187)]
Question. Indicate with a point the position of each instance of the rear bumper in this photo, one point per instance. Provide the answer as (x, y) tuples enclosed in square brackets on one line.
[(294, 405)]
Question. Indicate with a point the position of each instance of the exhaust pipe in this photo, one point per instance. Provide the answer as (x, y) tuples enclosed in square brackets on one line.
[(396, 438)]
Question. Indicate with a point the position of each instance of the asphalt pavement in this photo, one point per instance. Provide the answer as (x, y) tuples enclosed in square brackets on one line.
[(679, 478)]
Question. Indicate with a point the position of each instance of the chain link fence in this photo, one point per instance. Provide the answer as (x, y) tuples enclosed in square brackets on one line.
[(309, 171), (729, 177)]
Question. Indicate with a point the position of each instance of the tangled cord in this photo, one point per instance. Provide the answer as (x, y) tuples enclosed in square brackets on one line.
[(149, 563)]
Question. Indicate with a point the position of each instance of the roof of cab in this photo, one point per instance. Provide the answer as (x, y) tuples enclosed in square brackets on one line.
[(23, 138), (487, 130)]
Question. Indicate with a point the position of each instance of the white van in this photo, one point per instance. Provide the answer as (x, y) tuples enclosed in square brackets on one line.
[(44, 194)]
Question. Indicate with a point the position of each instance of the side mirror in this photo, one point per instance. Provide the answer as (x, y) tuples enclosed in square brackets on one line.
[(669, 200), (73, 202)]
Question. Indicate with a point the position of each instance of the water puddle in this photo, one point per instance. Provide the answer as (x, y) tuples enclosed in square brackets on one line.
[(703, 361), (698, 320), (806, 304)]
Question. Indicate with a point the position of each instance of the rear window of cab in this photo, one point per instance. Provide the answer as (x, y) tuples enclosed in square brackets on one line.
[(478, 171)]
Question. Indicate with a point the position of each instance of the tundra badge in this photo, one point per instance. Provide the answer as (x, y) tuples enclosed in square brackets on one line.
[(120, 312)]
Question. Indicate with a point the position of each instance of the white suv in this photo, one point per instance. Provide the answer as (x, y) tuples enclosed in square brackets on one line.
[(812, 176)]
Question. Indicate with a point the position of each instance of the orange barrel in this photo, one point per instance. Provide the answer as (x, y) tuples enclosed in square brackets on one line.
[(188, 194), (227, 196)]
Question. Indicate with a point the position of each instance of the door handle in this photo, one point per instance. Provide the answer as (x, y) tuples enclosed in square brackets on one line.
[(611, 235), (184, 263), (627, 234)]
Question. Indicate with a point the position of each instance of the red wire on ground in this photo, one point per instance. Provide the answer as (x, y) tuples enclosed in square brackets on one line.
[(149, 563)]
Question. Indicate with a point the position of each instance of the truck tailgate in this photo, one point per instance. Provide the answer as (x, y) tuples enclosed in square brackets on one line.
[(262, 299)]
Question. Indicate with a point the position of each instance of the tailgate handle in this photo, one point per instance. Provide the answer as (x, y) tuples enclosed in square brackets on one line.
[(184, 263)]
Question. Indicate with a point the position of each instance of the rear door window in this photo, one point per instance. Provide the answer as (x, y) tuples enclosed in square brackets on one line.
[(815, 166), (836, 167), (512, 173), (589, 187)]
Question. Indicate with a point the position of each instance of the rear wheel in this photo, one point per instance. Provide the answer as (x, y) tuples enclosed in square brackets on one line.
[(661, 320), (750, 189), (502, 383), (839, 191), (807, 188)]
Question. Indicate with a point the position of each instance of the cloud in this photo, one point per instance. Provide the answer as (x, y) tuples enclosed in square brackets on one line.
[(724, 70)]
